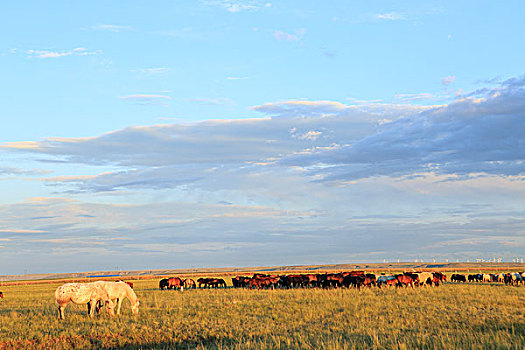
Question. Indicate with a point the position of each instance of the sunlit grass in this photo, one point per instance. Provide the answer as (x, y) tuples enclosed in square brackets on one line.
[(461, 316)]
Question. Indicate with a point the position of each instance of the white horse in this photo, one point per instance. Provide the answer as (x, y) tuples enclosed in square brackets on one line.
[(119, 291), (82, 293), (425, 278)]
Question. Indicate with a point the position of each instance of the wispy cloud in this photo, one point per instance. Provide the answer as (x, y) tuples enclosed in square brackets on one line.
[(17, 171), (284, 36), (152, 70), (111, 27), (145, 99), (390, 16), (448, 80), (79, 51), (415, 97), (237, 78), (235, 6)]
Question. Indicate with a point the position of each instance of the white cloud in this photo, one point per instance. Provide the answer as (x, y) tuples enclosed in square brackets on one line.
[(146, 99), (284, 36), (448, 80), (152, 71), (390, 180), (235, 6), (237, 78), (79, 51), (391, 16), (111, 27)]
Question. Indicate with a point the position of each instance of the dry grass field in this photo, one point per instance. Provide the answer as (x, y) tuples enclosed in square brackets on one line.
[(452, 316)]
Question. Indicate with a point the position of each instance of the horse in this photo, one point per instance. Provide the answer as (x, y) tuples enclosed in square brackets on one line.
[(424, 278), (383, 279), (221, 283), (404, 280), (240, 281), (82, 293), (128, 283), (203, 281), (119, 291), (163, 283), (174, 282), (209, 282), (189, 283), (458, 278)]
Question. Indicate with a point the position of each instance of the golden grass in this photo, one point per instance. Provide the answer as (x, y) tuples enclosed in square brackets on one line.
[(453, 316)]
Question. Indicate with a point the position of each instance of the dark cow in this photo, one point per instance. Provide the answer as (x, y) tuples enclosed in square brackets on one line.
[(164, 283)]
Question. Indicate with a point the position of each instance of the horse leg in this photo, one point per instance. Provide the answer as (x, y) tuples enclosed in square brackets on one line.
[(92, 307), (119, 302), (61, 311)]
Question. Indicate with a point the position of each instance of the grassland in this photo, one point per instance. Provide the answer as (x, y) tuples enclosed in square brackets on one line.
[(452, 316)]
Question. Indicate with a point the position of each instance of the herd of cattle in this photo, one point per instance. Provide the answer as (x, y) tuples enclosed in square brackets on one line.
[(511, 278)]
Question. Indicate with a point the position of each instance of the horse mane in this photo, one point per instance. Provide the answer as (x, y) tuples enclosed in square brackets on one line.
[(130, 293)]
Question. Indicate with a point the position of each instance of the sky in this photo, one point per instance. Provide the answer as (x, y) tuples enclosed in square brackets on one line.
[(175, 134)]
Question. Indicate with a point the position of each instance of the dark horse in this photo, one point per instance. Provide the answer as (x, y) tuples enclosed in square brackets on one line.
[(211, 282), (163, 283)]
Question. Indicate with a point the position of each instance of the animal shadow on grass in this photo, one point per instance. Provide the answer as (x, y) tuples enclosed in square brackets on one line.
[(202, 342)]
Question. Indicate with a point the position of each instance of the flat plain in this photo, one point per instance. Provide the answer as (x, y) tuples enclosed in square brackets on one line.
[(451, 316)]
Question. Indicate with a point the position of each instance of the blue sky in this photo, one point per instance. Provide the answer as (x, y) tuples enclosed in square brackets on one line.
[(238, 133)]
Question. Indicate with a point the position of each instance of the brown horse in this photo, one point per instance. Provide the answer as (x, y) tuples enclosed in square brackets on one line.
[(189, 283), (174, 282), (404, 280)]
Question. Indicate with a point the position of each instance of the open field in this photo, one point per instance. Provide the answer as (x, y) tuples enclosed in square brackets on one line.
[(478, 316)]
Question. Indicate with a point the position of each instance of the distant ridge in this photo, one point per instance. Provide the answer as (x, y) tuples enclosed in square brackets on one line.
[(129, 274)]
